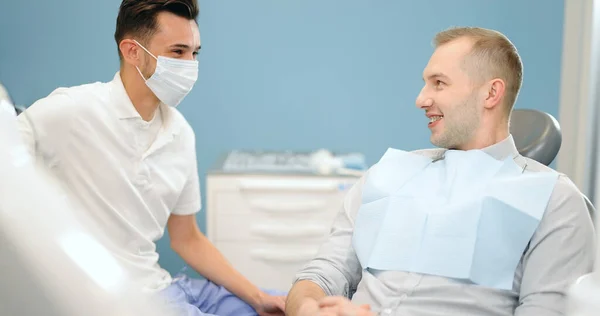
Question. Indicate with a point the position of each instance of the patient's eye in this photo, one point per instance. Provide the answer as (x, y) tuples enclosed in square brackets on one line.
[(439, 84)]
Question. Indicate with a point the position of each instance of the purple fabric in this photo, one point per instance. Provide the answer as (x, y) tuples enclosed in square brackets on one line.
[(197, 297)]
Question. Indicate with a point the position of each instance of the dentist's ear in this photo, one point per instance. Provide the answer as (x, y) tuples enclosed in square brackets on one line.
[(131, 52)]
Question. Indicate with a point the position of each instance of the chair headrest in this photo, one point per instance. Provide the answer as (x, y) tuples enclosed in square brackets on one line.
[(537, 134)]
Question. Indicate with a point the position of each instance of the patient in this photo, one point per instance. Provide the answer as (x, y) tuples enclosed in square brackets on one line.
[(471, 228)]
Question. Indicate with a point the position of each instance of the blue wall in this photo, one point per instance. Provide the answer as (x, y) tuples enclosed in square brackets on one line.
[(297, 75)]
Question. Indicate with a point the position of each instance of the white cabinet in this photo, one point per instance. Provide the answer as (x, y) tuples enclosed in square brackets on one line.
[(269, 225)]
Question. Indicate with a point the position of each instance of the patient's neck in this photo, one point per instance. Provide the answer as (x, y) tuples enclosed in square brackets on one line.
[(484, 139)]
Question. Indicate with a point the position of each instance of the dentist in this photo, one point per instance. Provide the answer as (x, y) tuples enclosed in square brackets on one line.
[(128, 157)]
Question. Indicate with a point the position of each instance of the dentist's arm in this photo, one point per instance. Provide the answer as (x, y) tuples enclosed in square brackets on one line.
[(44, 127), (198, 252)]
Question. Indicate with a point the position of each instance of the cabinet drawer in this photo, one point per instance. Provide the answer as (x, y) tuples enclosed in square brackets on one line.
[(277, 195), (269, 266), (276, 204), (258, 227)]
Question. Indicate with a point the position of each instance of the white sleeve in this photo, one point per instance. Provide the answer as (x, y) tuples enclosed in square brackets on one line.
[(189, 200), (45, 125)]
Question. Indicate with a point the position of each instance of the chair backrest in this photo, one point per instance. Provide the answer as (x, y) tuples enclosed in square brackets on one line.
[(537, 134), (591, 208)]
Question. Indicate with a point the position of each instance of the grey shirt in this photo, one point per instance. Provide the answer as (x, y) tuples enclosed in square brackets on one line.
[(561, 250)]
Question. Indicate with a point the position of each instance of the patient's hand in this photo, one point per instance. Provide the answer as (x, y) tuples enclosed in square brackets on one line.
[(341, 306), (309, 307), (271, 305)]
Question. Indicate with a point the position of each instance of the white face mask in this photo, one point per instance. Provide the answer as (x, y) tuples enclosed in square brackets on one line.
[(173, 78)]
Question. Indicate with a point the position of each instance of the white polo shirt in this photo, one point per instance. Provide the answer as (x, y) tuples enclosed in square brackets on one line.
[(129, 174)]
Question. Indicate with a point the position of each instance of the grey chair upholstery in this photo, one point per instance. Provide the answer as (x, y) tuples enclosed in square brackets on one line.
[(590, 208), (537, 136)]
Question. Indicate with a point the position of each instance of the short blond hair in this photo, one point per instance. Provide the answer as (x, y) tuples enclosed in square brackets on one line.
[(492, 56)]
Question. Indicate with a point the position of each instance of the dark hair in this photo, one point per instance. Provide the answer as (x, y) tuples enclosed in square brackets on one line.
[(137, 18)]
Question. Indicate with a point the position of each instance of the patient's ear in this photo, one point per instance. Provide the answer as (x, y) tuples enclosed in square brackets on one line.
[(494, 93)]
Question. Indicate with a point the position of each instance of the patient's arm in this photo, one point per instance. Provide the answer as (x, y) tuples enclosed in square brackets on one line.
[(303, 298), (561, 250), (335, 271)]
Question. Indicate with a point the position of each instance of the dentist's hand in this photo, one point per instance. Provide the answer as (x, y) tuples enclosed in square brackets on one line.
[(270, 305)]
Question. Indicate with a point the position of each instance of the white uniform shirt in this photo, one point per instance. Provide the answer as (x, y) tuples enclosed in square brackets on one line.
[(129, 174)]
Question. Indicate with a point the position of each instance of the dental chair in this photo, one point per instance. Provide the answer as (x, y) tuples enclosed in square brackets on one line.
[(537, 136)]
